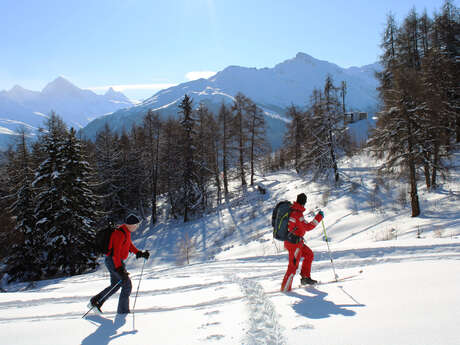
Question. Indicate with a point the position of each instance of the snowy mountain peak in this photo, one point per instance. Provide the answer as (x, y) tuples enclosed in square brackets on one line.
[(116, 95), (60, 85), (110, 92), (18, 93), (17, 89), (272, 89), (304, 57), (77, 107)]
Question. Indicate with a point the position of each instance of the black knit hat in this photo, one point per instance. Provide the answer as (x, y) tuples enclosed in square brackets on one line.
[(302, 199), (132, 219)]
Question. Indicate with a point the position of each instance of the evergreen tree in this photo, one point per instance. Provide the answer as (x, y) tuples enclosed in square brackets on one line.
[(130, 177), (170, 172), (191, 194), (70, 245), (325, 135), (152, 127), (107, 165), (24, 263), (49, 196)]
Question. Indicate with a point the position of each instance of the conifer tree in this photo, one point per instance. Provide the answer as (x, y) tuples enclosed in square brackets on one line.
[(130, 175), (325, 135), (170, 174), (24, 262), (70, 245), (152, 127), (49, 196), (191, 195), (107, 171)]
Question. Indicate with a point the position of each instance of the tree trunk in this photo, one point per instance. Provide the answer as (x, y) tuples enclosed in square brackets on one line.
[(334, 160), (435, 164), (426, 169), (412, 175), (243, 178), (252, 154)]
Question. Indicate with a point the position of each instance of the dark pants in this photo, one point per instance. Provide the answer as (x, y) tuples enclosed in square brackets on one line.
[(126, 287)]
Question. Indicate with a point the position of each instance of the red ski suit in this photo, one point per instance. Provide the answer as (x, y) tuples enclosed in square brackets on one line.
[(298, 226), (120, 245)]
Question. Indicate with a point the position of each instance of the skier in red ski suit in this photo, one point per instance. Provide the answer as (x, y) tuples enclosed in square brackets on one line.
[(119, 248), (295, 244)]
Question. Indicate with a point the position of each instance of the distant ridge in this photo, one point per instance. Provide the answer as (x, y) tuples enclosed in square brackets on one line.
[(273, 89), (20, 107)]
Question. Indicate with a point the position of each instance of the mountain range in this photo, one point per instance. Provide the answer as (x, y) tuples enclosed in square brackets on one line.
[(290, 82), (272, 89), (77, 107)]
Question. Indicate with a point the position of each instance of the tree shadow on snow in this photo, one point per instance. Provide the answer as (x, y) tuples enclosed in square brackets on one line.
[(317, 307), (107, 330)]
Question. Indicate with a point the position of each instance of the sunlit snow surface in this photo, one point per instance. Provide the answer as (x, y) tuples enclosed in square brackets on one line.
[(408, 292)]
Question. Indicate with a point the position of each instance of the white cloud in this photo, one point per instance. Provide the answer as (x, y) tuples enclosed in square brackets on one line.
[(199, 74)]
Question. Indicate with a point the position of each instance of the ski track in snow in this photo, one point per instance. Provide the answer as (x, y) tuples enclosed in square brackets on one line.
[(264, 328)]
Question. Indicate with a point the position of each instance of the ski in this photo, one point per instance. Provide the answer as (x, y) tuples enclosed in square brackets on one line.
[(337, 280), (87, 312), (91, 307), (340, 279)]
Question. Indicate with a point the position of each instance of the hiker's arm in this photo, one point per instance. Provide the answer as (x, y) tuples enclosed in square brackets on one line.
[(305, 226), (133, 249)]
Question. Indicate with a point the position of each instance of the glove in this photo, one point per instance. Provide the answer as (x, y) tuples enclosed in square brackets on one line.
[(123, 273), (142, 254), (321, 213)]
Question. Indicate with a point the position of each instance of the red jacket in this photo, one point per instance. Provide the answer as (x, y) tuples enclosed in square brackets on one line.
[(120, 245), (297, 224)]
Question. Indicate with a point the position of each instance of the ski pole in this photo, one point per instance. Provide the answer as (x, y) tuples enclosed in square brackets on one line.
[(329, 249), (108, 292), (135, 299)]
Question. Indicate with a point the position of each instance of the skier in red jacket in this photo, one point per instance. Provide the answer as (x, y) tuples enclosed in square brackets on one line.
[(119, 248), (295, 244)]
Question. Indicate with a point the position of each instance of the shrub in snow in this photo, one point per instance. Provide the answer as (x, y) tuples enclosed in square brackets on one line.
[(186, 249), (386, 235)]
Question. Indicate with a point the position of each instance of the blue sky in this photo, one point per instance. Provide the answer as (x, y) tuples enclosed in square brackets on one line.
[(141, 46)]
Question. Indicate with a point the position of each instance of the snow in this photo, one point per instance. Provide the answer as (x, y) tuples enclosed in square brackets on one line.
[(229, 294)]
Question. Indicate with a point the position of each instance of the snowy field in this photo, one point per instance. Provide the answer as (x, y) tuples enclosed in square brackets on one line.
[(407, 293)]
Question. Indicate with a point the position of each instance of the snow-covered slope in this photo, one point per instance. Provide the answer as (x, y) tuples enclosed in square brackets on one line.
[(273, 89), (21, 107), (229, 294)]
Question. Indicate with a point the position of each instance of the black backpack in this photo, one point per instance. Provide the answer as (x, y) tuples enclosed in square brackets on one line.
[(102, 239), (280, 220)]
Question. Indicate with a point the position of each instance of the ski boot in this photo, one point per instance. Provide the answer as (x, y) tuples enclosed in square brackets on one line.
[(93, 303), (308, 281)]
